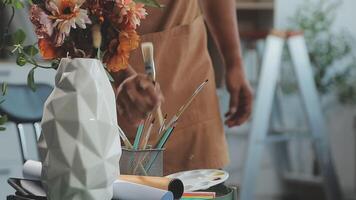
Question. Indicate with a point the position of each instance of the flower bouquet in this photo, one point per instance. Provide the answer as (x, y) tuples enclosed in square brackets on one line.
[(84, 39)]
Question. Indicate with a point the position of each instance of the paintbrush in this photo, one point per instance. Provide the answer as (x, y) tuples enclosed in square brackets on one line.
[(165, 137), (138, 135), (124, 138), (160, 144), (163, 125), (150, 70), (187, 104), (148, 134)]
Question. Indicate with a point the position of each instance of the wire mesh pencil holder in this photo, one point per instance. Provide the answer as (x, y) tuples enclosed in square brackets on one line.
[(148, 162)]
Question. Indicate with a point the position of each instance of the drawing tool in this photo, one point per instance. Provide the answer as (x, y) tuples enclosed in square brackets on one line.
[(187, 104), (138, 136), (148, 134), (124, 138), (150, 69), (163, 140), (163, 125)]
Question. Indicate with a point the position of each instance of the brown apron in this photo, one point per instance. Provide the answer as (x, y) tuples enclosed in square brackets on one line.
[(182, 60)]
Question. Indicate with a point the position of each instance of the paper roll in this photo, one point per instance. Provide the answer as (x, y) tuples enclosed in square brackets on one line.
[(131, 191), (32, 170), (174, 185), (129, 187)]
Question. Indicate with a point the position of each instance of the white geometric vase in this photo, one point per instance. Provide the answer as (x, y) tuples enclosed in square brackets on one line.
[(80, 146)]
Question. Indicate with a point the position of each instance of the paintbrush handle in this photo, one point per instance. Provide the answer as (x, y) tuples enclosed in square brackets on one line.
[(124, 138), (147, 136), (191, 98), (160, 116), (164, 138), (138, 136)]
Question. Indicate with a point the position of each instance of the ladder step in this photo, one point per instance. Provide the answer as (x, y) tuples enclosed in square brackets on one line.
[(286, 137), (303, 179), (290, 130)]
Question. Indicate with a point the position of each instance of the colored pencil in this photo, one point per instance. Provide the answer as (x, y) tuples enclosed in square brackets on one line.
[(148, 134), (163, 140), (138, 136), (124, 138)]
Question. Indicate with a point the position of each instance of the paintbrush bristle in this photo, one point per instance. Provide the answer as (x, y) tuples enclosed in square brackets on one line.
[(147, 53)]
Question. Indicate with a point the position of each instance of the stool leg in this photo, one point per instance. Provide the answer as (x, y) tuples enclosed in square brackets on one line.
[(22, 140), (235, 189), (37, 128)]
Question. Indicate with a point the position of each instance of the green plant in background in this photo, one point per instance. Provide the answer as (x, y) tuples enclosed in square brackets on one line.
[(13, 43), (331, 51), (3, 119)]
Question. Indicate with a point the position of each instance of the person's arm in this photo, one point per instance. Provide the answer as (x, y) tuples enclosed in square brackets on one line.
[(221, 19)]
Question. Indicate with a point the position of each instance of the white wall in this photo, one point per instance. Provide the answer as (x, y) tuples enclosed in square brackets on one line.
[(345, 16), (340, 118)]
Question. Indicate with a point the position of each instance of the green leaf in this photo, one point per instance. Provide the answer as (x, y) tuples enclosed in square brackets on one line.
[(30, 50), (3, 119), (21, 60), (31, 79), (55, 64), (18, 37), (18, 4), (2, 128), (4, 88), (152, 3)]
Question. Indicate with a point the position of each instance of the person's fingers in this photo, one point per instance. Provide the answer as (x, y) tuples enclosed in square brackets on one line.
[(141, 103), (151, 94), (233, 104), (137, 96), (247, 106), (122, 106), (244, 108), (136, 112), (131, 111), (159, 92)]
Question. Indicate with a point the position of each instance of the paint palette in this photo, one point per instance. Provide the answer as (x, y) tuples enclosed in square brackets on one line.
[(200, 179)]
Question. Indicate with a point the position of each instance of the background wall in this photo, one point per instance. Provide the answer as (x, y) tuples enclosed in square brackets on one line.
[(340, 117)]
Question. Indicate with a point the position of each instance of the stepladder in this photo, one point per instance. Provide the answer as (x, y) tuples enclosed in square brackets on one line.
[(265, 107)]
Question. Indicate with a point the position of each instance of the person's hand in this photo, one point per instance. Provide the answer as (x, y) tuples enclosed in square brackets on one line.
[(136, 97), (241, 97)]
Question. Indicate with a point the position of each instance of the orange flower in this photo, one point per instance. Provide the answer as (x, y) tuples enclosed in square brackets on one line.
[(47, 49), (128, 41)]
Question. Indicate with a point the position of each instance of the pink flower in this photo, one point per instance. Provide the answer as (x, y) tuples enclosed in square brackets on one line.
[(131, 13), (67, 14), (43, 24)]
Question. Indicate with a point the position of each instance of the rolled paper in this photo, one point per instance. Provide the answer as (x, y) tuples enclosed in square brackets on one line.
[(174, 185), (124, 190), (127, 187), (32, 170)]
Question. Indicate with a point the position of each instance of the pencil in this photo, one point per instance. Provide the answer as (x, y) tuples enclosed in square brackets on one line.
[(138, 136), (148, 134), (160, 145), (124, 138), (163, 140)]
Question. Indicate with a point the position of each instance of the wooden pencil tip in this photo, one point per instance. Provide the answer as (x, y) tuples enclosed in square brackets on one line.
[(165, 116), (206, 80), (153, 120)]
